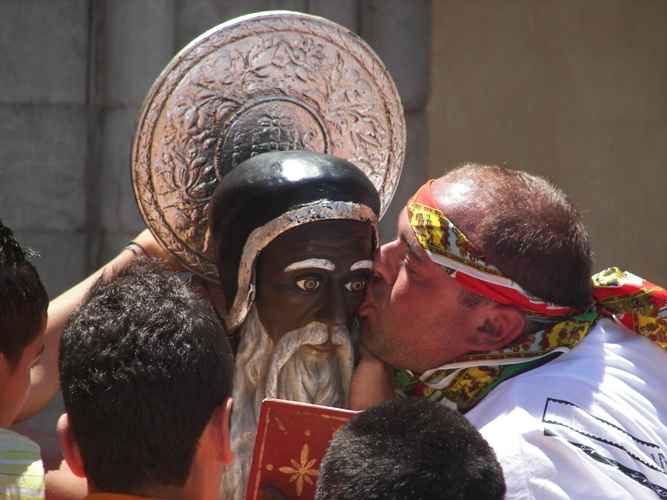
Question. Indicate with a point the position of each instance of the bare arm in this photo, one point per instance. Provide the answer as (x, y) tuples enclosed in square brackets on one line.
[(44, 380)]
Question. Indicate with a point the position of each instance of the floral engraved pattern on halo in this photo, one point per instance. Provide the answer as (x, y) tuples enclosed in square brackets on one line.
[(301, 472), (279, 81)]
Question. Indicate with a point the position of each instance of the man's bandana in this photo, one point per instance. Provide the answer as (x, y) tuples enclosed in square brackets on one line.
[(636, 303)]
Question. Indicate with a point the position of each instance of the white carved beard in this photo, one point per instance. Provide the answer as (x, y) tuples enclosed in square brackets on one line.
[(284, 372)]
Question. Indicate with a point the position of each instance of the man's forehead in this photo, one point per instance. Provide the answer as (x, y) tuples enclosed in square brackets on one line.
[(454, 192), (463, 201)]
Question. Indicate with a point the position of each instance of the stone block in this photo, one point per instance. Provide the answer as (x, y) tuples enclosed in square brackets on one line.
[(343, 12), (400, 32), (42, 163), (615, 52), (616, 176), (194, 17), (138, 42), (118, 208), (296, 5), (43, 51), (62, 257), (494, 98), (414, 173)]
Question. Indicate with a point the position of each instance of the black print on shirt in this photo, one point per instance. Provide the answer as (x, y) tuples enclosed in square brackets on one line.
[(607, 443)]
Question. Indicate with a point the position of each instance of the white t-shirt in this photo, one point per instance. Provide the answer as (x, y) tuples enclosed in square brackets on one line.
[(591, 424), (21, 470)]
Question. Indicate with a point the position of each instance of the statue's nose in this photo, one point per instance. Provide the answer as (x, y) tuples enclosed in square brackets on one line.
[(334, 310)]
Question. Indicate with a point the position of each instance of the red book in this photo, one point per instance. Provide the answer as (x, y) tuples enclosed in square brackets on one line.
[(291, 440)]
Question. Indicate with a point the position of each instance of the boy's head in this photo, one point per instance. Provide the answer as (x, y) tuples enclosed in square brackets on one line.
[(146, 374), (409, 449), (23, 305)]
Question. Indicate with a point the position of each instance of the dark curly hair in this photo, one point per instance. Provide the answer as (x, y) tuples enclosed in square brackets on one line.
[(23, 298), (409, 449), (144, 363)]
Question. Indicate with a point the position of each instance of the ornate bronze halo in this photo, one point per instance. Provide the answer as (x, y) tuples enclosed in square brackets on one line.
[(268, 81)]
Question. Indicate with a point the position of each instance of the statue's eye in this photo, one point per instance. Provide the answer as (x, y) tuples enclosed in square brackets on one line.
[(355, 286), (308, 284)]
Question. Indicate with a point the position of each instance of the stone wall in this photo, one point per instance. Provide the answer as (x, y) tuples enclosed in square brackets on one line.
[(74, 74), (575, 91), (44, 52)]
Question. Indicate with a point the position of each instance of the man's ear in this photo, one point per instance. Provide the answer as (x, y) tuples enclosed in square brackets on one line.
[(71, 452), (220, 422), (498, 326), (226, 434)]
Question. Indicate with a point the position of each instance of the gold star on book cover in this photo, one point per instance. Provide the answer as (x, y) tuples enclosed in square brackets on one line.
[(291, 441)]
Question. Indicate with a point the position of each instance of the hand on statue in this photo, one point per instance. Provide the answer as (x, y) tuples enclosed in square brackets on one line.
[(152, 247), (371, 382), (208, 290)]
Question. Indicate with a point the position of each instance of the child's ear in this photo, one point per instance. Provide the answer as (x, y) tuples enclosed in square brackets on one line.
[(7, 415), (5, 367), (70, 448)]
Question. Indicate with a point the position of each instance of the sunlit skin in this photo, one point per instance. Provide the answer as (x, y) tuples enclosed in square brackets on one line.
[(413, 317), (315, 272), (15, 380), (408, 296)]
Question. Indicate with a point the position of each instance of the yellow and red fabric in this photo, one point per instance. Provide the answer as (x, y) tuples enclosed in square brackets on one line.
[(634, 302)]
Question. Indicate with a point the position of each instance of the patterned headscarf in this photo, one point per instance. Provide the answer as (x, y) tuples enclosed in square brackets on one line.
[(634, 302)]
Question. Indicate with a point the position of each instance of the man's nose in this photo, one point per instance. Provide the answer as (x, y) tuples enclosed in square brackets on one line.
[(387, 261), (385, 269)]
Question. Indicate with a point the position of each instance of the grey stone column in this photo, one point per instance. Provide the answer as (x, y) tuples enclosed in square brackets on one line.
[(43, 124), (43, 129), (400, 32), (135, 41), (193, 17)]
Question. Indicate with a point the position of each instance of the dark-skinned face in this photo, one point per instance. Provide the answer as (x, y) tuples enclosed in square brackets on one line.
[(314, 272)]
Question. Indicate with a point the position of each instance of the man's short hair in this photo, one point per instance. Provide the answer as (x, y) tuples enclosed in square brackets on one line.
[(409, 449), (530, 230), (143, 365), (23, 299)]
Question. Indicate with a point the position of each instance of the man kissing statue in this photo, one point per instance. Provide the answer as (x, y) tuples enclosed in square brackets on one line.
[(294, 233)]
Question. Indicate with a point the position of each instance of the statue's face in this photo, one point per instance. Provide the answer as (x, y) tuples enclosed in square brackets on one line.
[(314, 272)]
